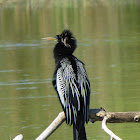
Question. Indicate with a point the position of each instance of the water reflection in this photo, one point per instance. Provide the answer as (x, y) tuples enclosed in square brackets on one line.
[(26, 82), (108, 39)]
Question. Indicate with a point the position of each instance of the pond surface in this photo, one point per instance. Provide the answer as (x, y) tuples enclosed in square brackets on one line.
[(108, 34)]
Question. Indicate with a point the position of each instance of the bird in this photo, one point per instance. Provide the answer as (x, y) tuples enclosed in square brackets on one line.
[(71, 82)]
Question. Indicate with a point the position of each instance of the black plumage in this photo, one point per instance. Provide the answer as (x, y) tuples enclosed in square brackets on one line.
[(71, 82)]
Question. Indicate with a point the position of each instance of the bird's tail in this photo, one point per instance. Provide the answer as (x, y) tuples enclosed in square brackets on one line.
[(79, 132)]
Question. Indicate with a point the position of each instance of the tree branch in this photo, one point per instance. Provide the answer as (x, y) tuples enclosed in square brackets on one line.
[(94, 115), (113, 117), (52, 127), (18, 137), (108, 131)]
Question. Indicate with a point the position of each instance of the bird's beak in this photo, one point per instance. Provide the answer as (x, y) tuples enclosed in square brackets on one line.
[(49, 38)]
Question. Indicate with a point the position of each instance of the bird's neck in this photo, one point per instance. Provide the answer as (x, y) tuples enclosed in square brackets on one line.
[(59, 57), (59, 53)]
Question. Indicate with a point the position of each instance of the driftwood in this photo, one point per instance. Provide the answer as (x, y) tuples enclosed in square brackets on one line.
[(18, 137), (94, 115), (113, 117)]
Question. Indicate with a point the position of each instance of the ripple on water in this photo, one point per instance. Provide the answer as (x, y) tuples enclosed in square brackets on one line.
[(26, 82)]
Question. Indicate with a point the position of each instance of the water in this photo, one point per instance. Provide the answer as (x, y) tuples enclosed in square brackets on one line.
[(108, 35)]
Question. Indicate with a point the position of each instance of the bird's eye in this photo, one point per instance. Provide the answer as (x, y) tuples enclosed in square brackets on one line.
[(73, 38), (66, 34)]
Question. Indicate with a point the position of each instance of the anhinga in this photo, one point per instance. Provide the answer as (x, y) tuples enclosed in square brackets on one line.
[(71, 83)]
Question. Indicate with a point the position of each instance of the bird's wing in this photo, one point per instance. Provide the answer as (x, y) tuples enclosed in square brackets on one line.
[(68, 91), (84, 87)]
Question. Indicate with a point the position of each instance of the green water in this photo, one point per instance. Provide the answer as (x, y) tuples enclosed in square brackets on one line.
[(108, 34)]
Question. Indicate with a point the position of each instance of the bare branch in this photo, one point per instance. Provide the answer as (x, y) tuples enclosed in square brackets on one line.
[(104, 127), (18, 137), (114, 117), (94, 115), (52, 127)]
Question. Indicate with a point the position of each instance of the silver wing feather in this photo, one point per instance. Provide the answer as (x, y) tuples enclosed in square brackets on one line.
[(71, 87), (84, 87)]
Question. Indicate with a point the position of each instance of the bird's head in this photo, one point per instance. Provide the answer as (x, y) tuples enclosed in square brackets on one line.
[(66, 38), (66, 43)]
